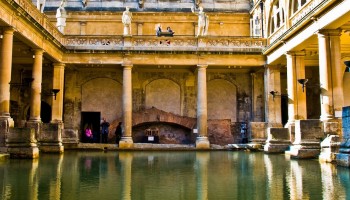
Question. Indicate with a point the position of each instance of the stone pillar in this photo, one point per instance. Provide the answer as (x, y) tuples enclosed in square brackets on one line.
[(296, 94), (5, 77), (126, 140), (22, 143), (331, 73), (257, 97), (278, 140), (308, 134), (202, 141), (35, 99), (5, 72), (58, 83), (273, 102)]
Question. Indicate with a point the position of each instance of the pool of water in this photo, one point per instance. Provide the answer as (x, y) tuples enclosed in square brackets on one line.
[(171, 175)]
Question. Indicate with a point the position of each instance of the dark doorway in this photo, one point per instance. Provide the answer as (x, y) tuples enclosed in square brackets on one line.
[(284, 109), (91, 119), (45, 112)]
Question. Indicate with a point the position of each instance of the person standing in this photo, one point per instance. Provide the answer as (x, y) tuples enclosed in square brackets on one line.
[(118, 133), (104, 130)]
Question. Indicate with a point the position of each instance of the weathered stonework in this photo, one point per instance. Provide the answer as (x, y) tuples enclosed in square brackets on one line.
[(329, 148), (22, 143), (308, 136), (258, 132), (343, 157), (50, 138), (278, 140)]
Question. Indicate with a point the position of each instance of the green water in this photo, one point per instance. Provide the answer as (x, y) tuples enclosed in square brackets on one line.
[(171, 175)]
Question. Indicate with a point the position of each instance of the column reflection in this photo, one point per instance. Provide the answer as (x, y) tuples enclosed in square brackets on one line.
[(202, 159), (295, 180), (126, 163)]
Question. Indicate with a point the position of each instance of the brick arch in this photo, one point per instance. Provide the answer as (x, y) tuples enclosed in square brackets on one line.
[(152, 115)]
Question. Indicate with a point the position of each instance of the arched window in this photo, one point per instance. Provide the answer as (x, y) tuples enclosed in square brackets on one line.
[(295, 5), (277, 16)]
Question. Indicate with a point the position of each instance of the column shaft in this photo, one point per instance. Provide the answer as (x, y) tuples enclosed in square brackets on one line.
[(5, 72), (331, 73), (58, 83), (202, 110), (127, 101), (273, 102), (296, 96), (35, 100)]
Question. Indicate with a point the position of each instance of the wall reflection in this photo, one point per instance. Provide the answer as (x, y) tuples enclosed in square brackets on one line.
[(171, 175)]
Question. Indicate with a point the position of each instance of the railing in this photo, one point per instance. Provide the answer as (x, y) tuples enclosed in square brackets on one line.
[(153, 43), (39, 19), (305, 10)]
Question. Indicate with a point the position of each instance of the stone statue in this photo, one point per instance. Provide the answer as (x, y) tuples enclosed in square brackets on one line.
[(40, 5), (61, 16), (203, 21), (126, 19)]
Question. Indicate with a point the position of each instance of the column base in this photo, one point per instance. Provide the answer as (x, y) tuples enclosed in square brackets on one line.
[(23, 152), (126, 143), (202, 143), (52, 148), (329, 148), (298, 152), (276, 148)]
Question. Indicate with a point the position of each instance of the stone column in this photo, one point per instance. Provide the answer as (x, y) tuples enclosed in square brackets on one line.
[(296, 95), (58, 83), (331, 73), (5, 72), (273, 102), (5, 77), (126, 140), (202, 141), (35, 99)]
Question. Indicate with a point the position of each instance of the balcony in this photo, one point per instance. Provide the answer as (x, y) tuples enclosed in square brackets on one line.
[(153, 43)]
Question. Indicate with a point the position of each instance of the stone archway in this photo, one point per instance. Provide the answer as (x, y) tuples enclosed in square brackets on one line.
[(102, 95), (163, 94), (222, 100)]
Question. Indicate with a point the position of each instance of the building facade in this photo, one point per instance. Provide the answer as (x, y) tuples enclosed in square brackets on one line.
[(259, 65)]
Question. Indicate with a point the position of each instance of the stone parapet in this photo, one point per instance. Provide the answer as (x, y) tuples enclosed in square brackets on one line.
[(343, 157), (22, 143), (278, 140), (308, 135)]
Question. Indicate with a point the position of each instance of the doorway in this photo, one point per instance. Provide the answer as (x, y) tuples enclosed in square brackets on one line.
[(91, 119), (284, 109)]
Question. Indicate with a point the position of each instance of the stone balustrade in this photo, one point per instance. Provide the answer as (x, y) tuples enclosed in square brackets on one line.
[(176, 43)]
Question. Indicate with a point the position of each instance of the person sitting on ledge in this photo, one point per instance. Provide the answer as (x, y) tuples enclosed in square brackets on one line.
[(169, 29)]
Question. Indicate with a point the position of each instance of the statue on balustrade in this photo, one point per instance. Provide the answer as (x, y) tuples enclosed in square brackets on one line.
[(203, 21), (126, 19), (40, 5), (61, 16)]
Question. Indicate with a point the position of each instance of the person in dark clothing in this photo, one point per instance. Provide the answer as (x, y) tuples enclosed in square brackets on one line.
[(104, 130), (118, 133)]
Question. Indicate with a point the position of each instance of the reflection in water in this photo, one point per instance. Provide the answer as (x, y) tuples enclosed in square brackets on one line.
[(171, 175)]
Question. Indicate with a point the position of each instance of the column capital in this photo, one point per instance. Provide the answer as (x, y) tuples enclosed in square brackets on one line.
[(127, 66), (329, 32), (59, 65), (273, 67), (295, 53), (202, 66), (8, 30), (38, 51)]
